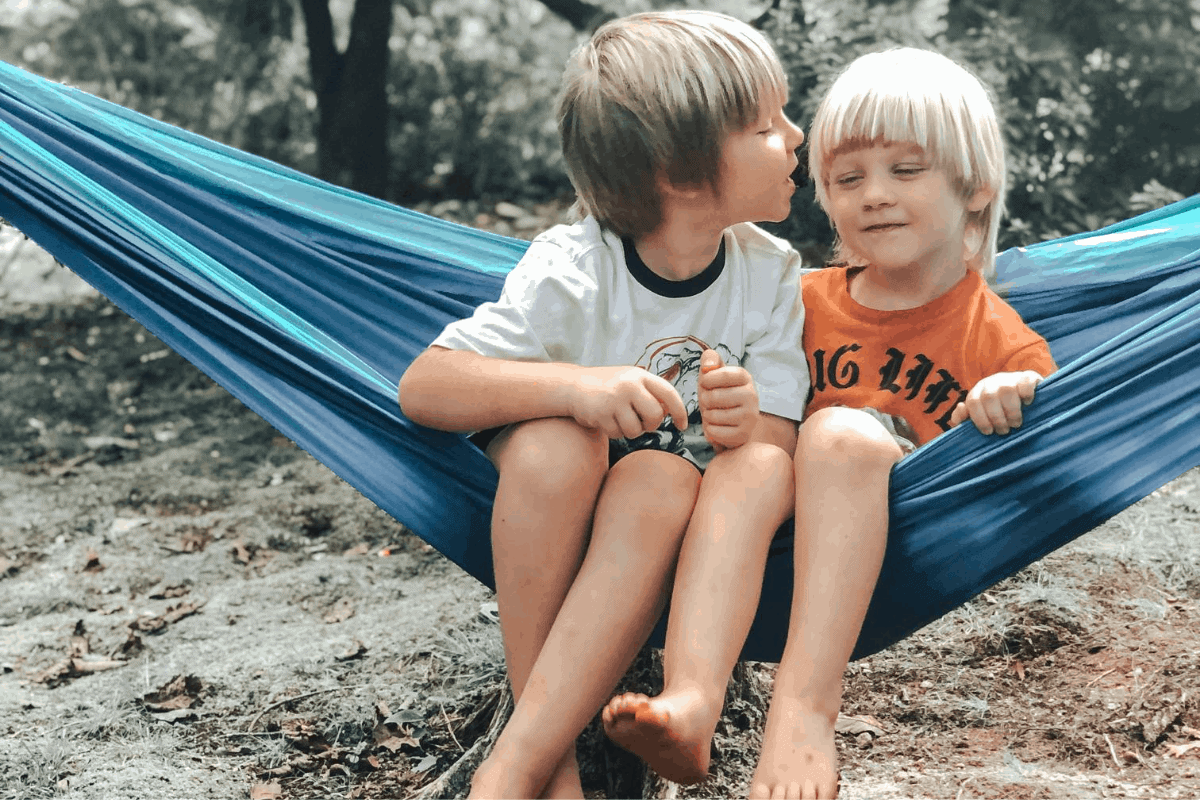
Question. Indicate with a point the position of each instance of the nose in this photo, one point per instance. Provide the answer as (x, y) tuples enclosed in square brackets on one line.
[(876, 191), (795, 135)]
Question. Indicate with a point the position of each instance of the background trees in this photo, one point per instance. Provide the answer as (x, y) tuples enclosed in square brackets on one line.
[(417, 100)]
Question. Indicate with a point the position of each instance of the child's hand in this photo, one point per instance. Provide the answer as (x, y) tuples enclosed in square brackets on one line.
[(625, 402), (994, 404), (728, 403)]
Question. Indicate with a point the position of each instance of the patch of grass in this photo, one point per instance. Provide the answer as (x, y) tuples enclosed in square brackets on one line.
[(113, 718), (33, 769)]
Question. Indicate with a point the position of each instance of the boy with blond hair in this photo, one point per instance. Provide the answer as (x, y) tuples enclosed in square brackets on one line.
[(904, 340), (638, 381)]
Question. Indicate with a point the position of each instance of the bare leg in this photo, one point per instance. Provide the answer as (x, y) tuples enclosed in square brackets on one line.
[(746, 494), (843, 464), (551, 471), (609, 611)]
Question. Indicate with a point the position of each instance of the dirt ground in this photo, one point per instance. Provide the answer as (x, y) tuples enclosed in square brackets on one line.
[(192, 607)]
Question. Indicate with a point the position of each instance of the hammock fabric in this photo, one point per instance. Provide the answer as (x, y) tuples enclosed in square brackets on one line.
[(307, 302)]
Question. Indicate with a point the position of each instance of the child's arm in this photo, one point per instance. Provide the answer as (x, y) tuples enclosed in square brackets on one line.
[(994, 404), (458, 390)]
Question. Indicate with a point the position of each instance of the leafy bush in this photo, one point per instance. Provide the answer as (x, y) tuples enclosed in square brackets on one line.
[(473, 90), (231, 70)]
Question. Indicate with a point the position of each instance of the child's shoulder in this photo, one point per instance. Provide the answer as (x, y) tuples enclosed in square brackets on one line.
[(578, 253), (576, 241)]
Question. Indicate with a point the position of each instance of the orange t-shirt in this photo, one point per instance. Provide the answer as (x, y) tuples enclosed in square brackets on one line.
[(919, 363)]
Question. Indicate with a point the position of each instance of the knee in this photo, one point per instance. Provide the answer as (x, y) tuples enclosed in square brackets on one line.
[(657, 487), (755, 465), (551, 456), (845, 437)]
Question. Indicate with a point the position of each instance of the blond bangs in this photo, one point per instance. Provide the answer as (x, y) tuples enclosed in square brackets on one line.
[(917, 96)]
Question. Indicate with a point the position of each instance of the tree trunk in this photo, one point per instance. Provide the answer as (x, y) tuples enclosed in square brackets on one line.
[(351, 89)]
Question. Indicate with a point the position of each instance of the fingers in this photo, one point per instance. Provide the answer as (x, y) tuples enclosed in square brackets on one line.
[(1027, 386), (668, 399), (709, 361), (628, 424), (998, 410), (998, 413), (723, 378), (649, 410), (960, 415)]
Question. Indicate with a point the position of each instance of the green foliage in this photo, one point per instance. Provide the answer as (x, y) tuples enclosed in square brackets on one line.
[(1099, 98), (232, 70), (473, 90)]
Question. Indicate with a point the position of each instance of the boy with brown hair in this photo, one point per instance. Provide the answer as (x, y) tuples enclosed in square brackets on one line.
[(638, 381)]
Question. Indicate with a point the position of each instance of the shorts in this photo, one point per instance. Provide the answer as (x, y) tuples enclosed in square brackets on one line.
[(690, 445)]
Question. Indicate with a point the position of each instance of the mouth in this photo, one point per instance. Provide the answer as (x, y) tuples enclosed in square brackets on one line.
[(799, 176), (883, 227)]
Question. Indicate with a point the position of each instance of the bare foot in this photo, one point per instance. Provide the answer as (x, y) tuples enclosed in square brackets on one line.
[(799, 757), (672, 733)]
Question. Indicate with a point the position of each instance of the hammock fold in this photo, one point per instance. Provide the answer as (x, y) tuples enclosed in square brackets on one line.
[(307, 302)]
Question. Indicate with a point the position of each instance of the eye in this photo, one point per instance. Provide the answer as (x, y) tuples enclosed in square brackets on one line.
[(908, 169)]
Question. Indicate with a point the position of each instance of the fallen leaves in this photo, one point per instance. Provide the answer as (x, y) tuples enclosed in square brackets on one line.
[(176, 700), (191, 540), (241, 553), (358, 650), (172, 614), (858, 725), (251, 555), (77, 663), (402, 730), (169, 592), (1180, 750)]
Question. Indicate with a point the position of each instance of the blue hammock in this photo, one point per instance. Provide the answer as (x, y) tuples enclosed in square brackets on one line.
[(307, 302)]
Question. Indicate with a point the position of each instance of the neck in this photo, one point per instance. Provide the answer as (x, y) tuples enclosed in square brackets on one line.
[(897, 289), (683, 245)]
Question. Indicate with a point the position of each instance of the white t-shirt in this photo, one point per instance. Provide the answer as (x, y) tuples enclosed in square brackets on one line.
[(581, 296)]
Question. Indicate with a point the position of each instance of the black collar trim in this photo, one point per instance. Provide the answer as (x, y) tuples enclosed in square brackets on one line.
[(664, 287)]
